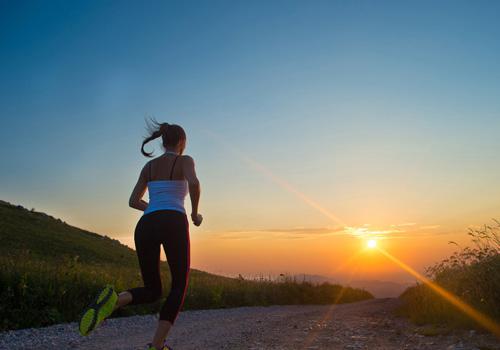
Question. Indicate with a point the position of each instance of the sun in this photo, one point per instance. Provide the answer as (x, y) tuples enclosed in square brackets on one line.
[(371, 243)]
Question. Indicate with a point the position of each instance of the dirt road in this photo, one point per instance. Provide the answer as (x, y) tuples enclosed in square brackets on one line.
[(364, 325)]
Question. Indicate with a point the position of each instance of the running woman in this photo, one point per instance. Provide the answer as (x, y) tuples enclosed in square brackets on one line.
[(168, 178)]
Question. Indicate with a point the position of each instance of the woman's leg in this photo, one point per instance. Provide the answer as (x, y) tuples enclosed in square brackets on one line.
[(124, 298), (161, 333), (177, 249), (148, 253)]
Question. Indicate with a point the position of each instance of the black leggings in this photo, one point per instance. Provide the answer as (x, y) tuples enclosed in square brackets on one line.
[(170, 228)]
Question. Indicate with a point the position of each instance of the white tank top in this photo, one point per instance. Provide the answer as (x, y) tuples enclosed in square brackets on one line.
[(166, 194)]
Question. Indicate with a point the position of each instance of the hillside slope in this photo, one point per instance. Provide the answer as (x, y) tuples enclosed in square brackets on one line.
[(46, 237)]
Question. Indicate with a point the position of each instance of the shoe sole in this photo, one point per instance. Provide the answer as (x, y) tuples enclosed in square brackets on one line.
[(98, 310), (165, 347)]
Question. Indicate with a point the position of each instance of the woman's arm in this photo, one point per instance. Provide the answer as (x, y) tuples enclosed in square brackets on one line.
[(194, 187), (135, 200)]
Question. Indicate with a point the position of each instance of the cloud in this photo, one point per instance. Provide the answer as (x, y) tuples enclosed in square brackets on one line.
[(429, 227), (404, 224), (364, 231), (393, 231), (307, 230), (288, 233), (421, 234)]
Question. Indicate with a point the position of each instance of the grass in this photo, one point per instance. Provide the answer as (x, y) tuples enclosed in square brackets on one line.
[(50, 270), (471, 273)]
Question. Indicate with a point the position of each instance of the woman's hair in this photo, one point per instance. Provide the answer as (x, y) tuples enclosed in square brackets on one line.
[(171, 135)]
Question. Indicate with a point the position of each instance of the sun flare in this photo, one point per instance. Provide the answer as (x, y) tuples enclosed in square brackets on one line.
[(371, 243)]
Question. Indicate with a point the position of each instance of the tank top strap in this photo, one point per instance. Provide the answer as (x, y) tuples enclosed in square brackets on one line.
[(173, 166)]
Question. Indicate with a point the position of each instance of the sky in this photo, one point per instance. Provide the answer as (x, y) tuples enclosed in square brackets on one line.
[(314, 125)]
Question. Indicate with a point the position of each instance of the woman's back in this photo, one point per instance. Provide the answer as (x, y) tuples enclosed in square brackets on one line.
[(167, 186), (166, 167)]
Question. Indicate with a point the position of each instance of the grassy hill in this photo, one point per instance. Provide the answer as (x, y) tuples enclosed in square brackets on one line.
[(50, 270), (45, 237)]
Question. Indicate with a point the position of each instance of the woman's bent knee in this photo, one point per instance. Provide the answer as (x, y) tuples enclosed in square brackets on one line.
[(154, 294)]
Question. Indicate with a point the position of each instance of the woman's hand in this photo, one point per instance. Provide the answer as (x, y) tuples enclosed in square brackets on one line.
[(197, 219)]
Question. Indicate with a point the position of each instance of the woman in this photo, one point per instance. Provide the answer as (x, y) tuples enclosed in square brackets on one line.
[(164, 222)]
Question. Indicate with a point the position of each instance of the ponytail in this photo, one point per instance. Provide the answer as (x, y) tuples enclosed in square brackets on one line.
[(171, 135), (153, 136)]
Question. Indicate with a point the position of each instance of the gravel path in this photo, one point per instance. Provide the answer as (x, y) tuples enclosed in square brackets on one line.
[(364, 325)]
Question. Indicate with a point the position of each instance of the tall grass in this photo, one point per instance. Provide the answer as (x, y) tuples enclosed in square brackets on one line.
[(471, 273), (36, 293)]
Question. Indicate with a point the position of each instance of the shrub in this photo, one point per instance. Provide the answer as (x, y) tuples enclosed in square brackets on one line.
[(471, 273)]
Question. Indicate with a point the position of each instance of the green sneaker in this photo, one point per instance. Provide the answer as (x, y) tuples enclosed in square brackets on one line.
[(98, 310)]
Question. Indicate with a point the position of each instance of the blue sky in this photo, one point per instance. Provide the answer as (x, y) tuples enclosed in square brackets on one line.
[(384, 113)]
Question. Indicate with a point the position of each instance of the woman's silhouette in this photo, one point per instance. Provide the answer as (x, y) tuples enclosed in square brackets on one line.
[(168, 178)]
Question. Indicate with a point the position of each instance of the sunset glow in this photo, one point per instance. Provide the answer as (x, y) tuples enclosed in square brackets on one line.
[(327, 137), (298, 154), (371, 243)]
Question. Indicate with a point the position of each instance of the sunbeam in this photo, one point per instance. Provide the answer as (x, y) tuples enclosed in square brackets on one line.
[(482, 319), (276, 179)]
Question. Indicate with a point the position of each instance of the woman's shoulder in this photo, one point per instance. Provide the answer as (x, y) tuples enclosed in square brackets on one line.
[(186, 161), (150, 163), (186, 157)]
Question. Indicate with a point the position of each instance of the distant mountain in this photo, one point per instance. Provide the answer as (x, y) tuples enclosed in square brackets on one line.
[(314, 278), (380, 289)]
